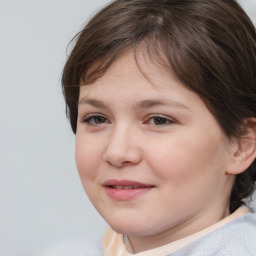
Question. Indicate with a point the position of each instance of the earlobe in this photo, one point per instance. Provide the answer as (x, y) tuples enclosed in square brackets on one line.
[(244, 152)]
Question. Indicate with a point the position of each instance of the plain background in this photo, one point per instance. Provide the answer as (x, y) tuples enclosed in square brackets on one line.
[(43, 207)]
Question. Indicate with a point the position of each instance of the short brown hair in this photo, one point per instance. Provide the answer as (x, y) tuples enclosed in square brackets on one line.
[(210, 45)]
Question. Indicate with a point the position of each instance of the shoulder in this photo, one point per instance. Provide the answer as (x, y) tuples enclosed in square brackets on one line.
[(236, 238), (74, 249), (94, 249)]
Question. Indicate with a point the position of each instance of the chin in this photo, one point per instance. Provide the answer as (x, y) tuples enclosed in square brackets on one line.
[(132, 228), (128, 228)]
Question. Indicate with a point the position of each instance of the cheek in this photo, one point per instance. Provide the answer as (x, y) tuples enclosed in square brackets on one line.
[(87, 157), (187, 159), (87, 162), (189, 172)]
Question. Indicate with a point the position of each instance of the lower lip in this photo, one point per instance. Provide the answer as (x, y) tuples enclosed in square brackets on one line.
[(126, 194)]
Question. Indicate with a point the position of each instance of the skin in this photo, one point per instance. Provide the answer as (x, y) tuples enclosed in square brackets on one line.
[(151, 129)]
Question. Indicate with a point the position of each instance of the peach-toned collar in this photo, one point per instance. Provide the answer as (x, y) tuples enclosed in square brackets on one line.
[(118, 245)]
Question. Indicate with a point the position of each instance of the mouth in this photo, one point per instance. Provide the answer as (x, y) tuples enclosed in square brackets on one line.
[(123, 190), (124, 187)]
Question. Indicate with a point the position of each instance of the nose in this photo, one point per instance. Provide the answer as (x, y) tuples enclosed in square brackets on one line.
[(123, 148)]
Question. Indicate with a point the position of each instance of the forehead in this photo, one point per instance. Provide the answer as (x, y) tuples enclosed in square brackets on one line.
[(147, 54), (138, 62), (138, 83), (131, 69)]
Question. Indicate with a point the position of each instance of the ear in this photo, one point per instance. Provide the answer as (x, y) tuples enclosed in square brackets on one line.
[(243, 151)]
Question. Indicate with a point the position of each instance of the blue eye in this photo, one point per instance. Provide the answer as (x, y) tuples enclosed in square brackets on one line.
[(159, 120), (95, 120)]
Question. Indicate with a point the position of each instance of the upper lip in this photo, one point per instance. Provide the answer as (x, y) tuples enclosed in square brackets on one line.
[(124, 183)]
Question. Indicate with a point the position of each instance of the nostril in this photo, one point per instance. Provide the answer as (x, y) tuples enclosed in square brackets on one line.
[(120, 153)]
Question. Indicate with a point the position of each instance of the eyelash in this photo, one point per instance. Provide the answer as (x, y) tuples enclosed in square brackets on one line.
[(92, 120), (161, 118), (89, 118)]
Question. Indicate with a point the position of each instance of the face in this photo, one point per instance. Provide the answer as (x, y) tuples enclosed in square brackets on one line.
[(151, 156)]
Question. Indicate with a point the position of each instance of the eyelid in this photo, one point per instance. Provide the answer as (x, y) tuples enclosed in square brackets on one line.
[(88, 117), (168, 119)]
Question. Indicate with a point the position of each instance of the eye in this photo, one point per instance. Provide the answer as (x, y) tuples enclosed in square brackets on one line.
[(95, 120), (160, 121)]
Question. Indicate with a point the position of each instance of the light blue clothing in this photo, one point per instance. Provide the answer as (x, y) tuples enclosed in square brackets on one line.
[(237, 238), (96, 250)]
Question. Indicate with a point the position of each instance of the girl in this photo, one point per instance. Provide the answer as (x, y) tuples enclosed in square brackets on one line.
[(161, 95)]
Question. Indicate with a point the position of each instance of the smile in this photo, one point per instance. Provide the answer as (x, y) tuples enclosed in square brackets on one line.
[(123, 190), (125, 187)]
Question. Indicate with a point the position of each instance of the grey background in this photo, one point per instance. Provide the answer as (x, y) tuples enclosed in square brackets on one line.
[(43, 208)]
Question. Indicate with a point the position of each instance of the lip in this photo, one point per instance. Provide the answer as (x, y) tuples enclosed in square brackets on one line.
[(130, 190)]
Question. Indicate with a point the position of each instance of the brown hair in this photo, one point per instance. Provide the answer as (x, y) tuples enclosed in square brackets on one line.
[(210, 45)]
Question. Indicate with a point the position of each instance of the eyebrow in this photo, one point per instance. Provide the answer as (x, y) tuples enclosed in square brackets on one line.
[(165, 102), (93, 102), (145, 104)]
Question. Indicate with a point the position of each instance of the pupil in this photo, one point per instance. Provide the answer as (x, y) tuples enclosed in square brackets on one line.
[(99, 120), (160, 120)]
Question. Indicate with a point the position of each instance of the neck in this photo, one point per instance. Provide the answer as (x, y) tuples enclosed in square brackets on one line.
[(186, 228)]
